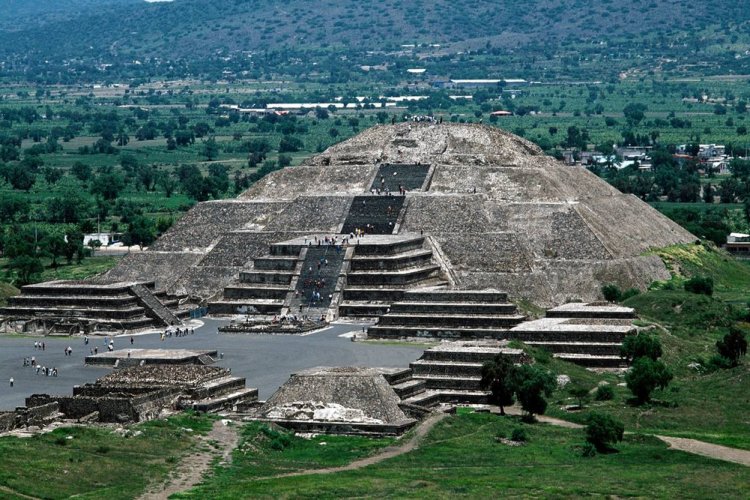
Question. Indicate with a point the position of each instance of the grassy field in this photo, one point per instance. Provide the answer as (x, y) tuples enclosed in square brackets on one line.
[(461, 457), (706, 406), (89, 462)]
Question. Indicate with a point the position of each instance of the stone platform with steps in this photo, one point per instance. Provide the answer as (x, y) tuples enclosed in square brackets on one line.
[(140, 357), (447, 314), (450, 373), (144, 393), (73, 307)]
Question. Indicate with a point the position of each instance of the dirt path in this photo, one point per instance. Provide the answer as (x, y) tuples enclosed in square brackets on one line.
[(192, 468), (687, 445), (14, 493), (710, 450), (389, 452)]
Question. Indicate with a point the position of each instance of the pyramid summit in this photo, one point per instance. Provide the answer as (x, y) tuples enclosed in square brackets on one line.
[(454, 206)]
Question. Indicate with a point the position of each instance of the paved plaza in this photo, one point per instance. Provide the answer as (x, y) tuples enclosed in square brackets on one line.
[(266, 361)]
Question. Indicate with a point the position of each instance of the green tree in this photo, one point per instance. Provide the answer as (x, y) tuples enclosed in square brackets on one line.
[(645, 375), (81, 171), (640, 345), (141, 231), (602, 431), (532, 384), (210, 149), (108, 185), (498, 376), (27, 268), (733, 346), (167, 183), (68, 203), (634, 113)]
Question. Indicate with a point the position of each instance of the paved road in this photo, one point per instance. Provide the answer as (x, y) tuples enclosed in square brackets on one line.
[(265, 360)]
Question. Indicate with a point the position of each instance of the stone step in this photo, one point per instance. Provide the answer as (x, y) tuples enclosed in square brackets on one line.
[(218, 387), (275, 263), (568, 335), (246, 306), (400, 277), (154, 308), (481, 296), (373, 293), (397, 375), (269, 277), (593, 361), (83, 301), (457, 396), (426, 399), (226, 400), (75, 312), (401, 245), (409, 388), (448, 368), (373, 214), (257, 291), (468, 354), (451, 320), (404, 260), (441, 382), (392, 175), (397, 332), (596, 348), (363, 309), (453, 308)]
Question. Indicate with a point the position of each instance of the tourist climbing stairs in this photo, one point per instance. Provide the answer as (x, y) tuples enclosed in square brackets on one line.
[(373, 214), (317, 281)]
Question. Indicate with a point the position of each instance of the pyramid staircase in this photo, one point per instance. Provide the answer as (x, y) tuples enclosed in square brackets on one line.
[(78, 307)]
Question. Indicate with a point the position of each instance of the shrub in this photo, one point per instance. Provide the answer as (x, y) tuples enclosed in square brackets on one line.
[(604, 393), (639, 346), (580, 393), (602, 431), (630, 292), (588, 450), (733, 346), (519, 435), (611, 293), (700, 284), (646, 375)]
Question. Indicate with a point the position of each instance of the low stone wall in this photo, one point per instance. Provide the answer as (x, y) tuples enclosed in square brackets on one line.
[(344, 428)]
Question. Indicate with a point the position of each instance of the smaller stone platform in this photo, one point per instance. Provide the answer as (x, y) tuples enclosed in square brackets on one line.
[(135, 357), (602, 310), (338, 400)]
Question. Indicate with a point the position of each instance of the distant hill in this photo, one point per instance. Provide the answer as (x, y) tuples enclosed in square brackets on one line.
[(200, 28)]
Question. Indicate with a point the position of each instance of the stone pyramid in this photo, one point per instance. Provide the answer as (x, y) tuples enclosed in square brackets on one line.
[(495, 211)]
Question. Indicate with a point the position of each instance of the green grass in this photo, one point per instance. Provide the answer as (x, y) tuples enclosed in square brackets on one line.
[(89, 267), (461, 457), (711, 407), (267, 451), (94, 462)]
